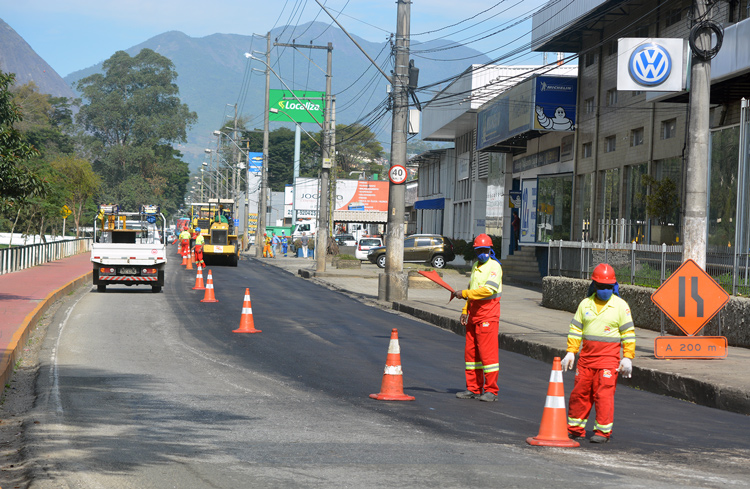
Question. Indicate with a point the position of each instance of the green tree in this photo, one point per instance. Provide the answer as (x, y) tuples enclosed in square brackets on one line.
[(81, 184), (17, 181), (134, 113), (135, 101), (356, 148)]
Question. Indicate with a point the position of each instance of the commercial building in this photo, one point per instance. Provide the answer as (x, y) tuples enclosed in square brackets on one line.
[(630, 145)]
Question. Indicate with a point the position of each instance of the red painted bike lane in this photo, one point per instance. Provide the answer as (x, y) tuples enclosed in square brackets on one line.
[(25, 296)]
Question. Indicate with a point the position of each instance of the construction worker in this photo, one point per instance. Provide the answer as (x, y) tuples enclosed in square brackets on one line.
[(481, 317), (284, 243), (199, 240), (267, 251), (601, 324), (184, 239)]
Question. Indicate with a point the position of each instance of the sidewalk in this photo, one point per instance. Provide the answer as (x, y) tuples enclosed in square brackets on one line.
[(540, 333)]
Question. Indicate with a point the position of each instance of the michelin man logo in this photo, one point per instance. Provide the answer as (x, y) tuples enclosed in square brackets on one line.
[(559, 123)]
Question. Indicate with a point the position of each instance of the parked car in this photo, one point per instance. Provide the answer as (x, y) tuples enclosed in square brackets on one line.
[(345, 240), (364, 245), (419, 248)]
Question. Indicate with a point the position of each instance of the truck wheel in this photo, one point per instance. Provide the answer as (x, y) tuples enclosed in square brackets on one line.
[(233, 261), (101, 287), (380, 261), (156, 289)]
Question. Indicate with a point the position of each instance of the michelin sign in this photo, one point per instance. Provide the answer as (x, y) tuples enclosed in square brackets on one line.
[(652, 64)]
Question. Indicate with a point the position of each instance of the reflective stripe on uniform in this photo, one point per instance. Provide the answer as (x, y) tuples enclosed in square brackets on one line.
[(602, 339), (473, 365), (492, 368), (578, 423), (603, 428)]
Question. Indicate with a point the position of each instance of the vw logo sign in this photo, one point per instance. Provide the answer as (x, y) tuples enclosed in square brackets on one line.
[(650, 64)]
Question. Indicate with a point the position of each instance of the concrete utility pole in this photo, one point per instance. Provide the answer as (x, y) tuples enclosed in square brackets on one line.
[(264, 166), (393, 284), (321, 241), (696, 185)]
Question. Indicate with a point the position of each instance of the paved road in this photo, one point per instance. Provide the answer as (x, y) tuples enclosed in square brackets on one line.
[(153, 390)]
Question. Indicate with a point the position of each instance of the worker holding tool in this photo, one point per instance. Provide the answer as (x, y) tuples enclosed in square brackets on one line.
[(481, 317), (601, 324)]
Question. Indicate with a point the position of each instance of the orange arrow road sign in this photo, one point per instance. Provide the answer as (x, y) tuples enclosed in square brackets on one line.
[(690, 297)]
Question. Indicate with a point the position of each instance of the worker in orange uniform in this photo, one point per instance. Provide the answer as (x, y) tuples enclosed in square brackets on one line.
[(184, 241), (481, 317), (199, 241), (601, 324), (267, 251)]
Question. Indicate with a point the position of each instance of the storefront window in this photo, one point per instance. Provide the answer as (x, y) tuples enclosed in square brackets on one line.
[(554, 205), (635, 202), (723, 196), (584, 204), (611, 194)]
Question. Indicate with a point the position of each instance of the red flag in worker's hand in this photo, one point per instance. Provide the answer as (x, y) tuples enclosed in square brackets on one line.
[(433, 275)]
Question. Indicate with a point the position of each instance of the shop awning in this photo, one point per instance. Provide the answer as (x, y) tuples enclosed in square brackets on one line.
[(430, 204)]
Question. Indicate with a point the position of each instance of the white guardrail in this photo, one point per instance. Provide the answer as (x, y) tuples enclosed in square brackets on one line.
[(18, 258)]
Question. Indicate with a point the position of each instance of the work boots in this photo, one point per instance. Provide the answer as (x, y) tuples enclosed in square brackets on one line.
[(466, 395)]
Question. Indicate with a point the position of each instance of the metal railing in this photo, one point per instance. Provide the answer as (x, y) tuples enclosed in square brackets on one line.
[(646, 265), (622, 230), (18, 258)]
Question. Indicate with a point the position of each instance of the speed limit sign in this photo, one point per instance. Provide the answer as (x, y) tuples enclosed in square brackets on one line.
[(397, 174)]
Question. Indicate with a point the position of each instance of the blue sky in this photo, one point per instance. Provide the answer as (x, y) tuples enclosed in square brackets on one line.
[(74, 34)]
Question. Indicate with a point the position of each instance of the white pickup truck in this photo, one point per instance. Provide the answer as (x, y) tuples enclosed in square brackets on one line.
[(129, 247)]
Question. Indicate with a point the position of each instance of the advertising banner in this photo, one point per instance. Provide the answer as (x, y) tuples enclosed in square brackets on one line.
[(365, 195), (297, 106), (555, 103), (528, 211), (652, 64), (255, 162)]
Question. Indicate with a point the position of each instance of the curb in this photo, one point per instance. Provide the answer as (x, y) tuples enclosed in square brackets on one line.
[(22, 333)]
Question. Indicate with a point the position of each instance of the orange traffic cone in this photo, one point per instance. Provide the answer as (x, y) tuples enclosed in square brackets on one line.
[(392, 388), (209, 295), (199, 279), (184, 258), (553, 431), (189, 260), (247, 325)]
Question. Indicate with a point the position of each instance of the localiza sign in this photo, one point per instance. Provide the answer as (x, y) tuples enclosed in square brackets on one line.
[(297, 106)]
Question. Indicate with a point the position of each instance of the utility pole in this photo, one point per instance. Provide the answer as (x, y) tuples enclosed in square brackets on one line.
[(321, 241), (696, 184), (334, 168), (264, 164), (393, 284)]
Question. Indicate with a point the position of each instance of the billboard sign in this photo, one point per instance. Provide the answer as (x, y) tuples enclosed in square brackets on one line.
[(651, 64), (297, 106), (366, 195), (255, 162), (555, 103)]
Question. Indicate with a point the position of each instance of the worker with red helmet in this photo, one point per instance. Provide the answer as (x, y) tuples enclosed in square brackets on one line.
[(184, 239), (199, 242), (481, 317), (600, 326)]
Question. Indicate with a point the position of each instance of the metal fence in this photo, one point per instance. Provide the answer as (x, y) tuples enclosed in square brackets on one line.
[(646, 265), (21, 257)]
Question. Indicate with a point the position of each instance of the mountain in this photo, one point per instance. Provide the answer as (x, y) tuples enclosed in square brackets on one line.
[(16, 56), (214, 73)]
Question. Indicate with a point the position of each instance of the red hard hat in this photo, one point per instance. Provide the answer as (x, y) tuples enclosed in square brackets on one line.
[(482, 241), (604, 274)]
